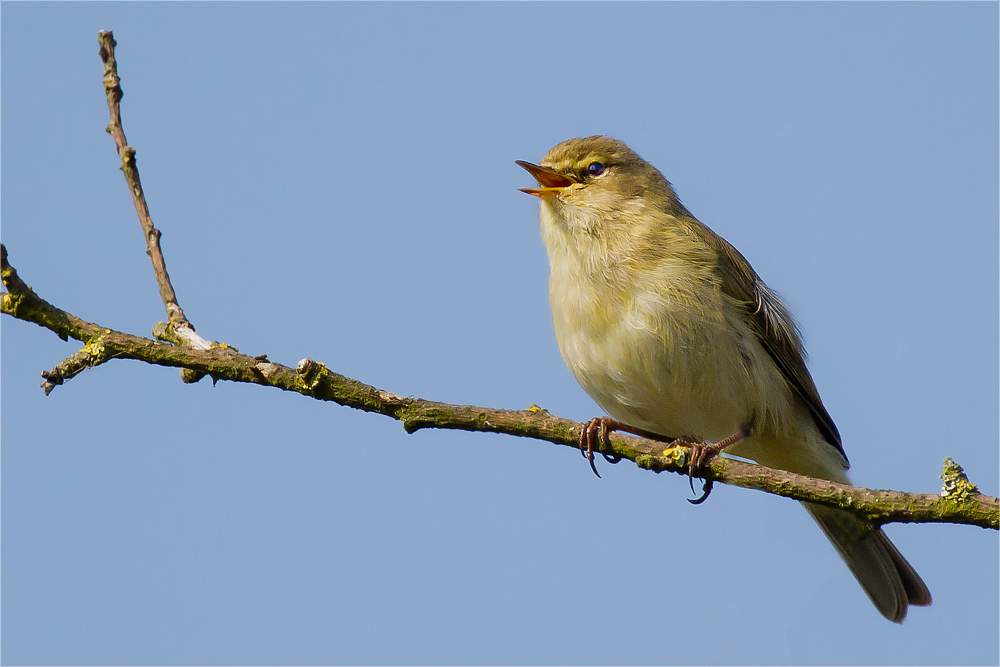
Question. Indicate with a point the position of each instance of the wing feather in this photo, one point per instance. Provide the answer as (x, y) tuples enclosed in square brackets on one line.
[(772, 323)]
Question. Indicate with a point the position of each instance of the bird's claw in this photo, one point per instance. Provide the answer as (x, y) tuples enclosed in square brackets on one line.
[(598, 427), (700, 454), (706, 489)]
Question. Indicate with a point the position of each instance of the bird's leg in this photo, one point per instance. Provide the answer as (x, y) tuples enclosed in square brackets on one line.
[(601, 427), (699, 453)]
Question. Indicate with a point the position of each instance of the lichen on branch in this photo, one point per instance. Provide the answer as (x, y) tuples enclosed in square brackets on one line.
[(177, 345), (963, 505)]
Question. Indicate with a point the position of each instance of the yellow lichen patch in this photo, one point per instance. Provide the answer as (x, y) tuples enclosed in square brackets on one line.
[(95, 348), (956, 484), (11, 302), (536, 409), (679, 455)]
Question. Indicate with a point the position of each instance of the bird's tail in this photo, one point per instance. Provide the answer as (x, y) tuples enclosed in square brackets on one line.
[(890, 582)]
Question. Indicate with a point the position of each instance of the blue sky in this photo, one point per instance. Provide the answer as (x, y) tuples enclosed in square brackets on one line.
[(337, 181)]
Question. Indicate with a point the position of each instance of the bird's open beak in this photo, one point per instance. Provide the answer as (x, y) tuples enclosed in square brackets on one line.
[(552, 182)]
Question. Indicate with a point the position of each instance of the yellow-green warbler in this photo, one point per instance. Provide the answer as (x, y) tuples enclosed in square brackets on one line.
[(671, 331)]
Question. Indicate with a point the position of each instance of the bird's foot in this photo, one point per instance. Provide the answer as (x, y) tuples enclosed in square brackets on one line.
[(599, 428), (699, 454)]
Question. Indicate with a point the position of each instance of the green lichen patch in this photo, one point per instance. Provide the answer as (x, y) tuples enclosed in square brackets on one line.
[(956, 485), (311, 374)]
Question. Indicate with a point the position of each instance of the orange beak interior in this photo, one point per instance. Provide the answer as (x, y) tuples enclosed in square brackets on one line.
[(551, 181)]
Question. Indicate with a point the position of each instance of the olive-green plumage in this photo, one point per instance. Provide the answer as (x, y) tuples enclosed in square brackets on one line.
[(670, 330)]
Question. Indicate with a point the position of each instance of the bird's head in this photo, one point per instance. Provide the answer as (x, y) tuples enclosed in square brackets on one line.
[(597, 181)]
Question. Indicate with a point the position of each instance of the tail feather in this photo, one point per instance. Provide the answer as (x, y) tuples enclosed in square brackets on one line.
[(916, 590), (890, 582)]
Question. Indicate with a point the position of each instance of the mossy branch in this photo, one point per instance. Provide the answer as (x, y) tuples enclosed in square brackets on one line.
[(178, 346), (960, 502)]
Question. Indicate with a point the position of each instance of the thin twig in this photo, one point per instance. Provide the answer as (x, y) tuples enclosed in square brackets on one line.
[(960, 502), (178, 329)]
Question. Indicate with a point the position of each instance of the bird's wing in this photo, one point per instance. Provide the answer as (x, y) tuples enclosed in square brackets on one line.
[(774, 326)]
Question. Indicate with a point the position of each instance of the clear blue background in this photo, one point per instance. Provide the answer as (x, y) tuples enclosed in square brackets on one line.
[(337, 181)]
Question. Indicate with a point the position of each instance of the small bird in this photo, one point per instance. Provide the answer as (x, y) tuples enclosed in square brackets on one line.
[(672, 332)]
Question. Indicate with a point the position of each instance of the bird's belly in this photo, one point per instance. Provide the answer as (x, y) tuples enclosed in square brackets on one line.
[(686, 382)]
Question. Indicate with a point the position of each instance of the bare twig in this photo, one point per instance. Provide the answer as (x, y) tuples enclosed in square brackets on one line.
[(177, 329), (959, 503)]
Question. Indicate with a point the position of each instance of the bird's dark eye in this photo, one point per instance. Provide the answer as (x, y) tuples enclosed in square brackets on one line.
[(595, 169)]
